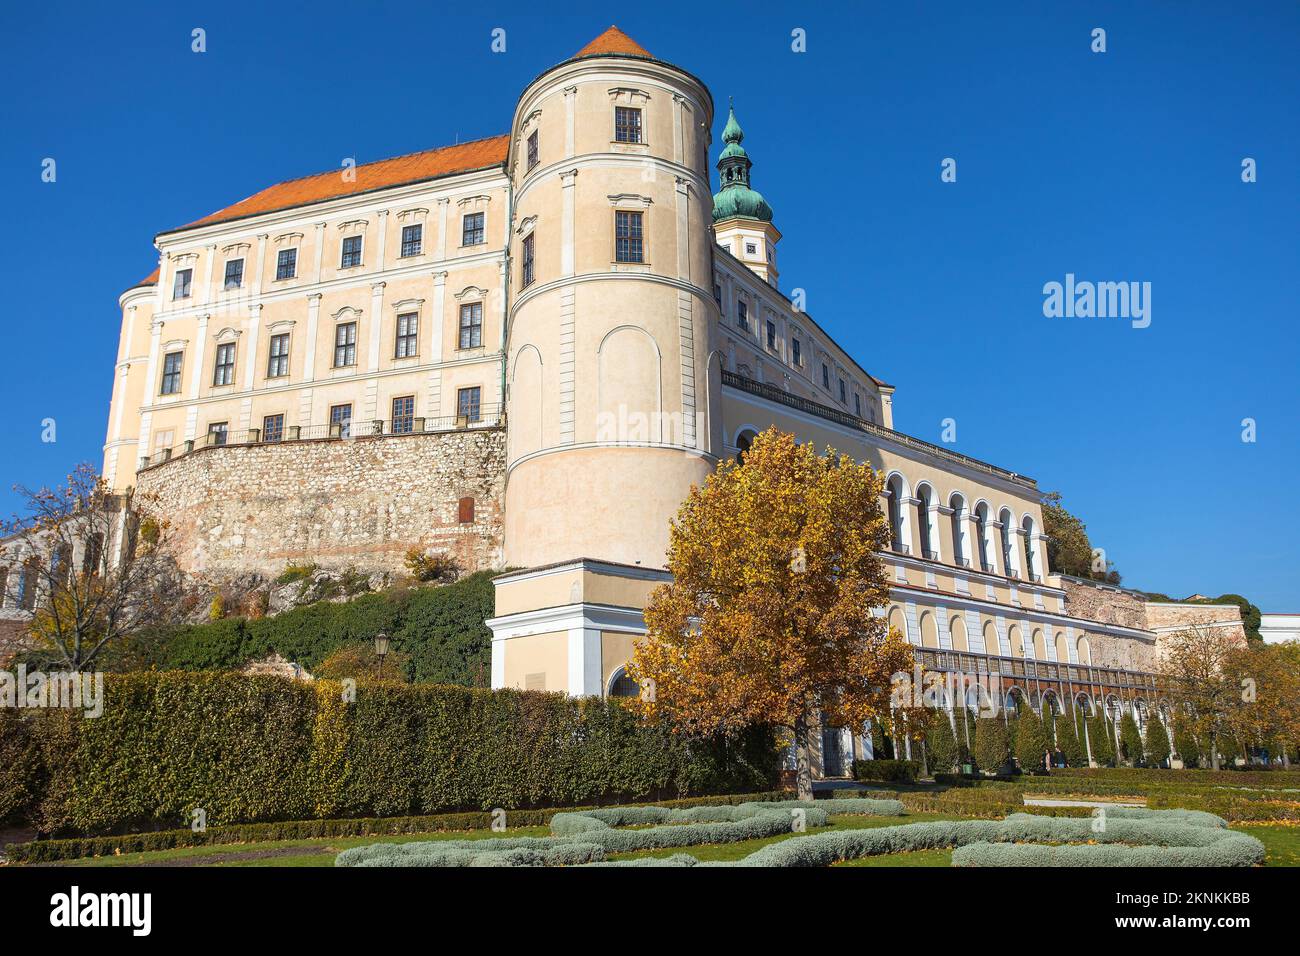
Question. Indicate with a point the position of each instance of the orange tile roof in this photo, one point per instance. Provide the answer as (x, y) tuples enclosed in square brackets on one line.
[(411, 168), (150, 279), (613, 40)]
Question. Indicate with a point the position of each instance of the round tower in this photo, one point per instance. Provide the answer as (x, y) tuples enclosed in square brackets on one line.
[(611, 317)]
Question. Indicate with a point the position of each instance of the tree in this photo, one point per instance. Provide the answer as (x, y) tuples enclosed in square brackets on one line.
[(1157, 746), (1101, 739), (1069, 741), (1250, 614), (940, 743), (1269, 713), (1031, 742), (771, 613), (1189, 752), (1195, 673), (1130, 739), (990, 749), (1069, 549), (100, 564)]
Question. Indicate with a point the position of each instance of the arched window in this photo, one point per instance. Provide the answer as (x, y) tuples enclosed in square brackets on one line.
[(982, 535), (623, 686), (743, 442), (924, 502), (1032, 569), (895, 492), (960, 553), (1039, 646), (1085, 652), (1062, 648), (1010, 562)]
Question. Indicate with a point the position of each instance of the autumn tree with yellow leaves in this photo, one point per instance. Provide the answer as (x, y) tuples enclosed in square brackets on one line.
[(771, 613)]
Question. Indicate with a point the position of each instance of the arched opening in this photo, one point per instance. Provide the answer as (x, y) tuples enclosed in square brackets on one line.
[(897, 622), (929, 631), (1085, 652), (1039, 645), (925, 512), (1062, 647), (621, 685), (1017, 645), (895, 495), (1033, 567), (982, 535), (744, 441), (990, 639), (960, 548), (957, 633), (1010, 559)]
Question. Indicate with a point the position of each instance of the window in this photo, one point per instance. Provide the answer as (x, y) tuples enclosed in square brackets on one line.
[(826, 377), (181, 285), (412, 240), (171, 380), (771, 335), (471, 325), (224, 373), (624, 686), (341, 415), (527, 263), (273, 428), (742, 314), (627, 124), (532, 149), (278, 365), (467, 403), (286, 263), (794, 352), (628, 245), (351, 252), (163, 440), (404, 415), (717, 294), (345, 345), (472, 229), (218, 433), (408, 328), (27, 585), (751, 249), (234, 273), (844, 398)]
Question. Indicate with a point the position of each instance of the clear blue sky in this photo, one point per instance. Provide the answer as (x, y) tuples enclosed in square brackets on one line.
[(1116, 166)]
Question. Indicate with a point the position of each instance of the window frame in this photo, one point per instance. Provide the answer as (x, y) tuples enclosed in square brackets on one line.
[(476, 405), (467, 233), (410, 338), (239, 278), (222, 429), (742, 313), (176, 372), (224, 348), (770, 331), (272, 356), (417, 242), (406, 418), (623, 130), (475, 311), (344, 253), (527, 261), (631, 221), (345, 424), (266, 430), (280, 274), (352, 344), (532, 149), (188, 285)]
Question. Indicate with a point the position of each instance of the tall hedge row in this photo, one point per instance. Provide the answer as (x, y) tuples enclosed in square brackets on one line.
[(252, 749), (441, 629)]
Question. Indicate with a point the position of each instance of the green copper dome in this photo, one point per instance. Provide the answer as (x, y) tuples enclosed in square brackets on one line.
[(735, 197)]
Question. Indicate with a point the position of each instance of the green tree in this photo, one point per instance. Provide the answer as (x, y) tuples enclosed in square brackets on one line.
[(1185, 742), (1031, 741), (1130, 739), (1068, 549), (1101, 739), (1157, 741), (1068, 740), (990, 748), (940, 744)]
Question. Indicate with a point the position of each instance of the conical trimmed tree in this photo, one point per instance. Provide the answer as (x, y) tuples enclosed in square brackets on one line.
[(1157, 742), (991, 749), (1130, 739), (1101, 739), (1067, 739), (1189, 752), (940, 744), (1030, 740)]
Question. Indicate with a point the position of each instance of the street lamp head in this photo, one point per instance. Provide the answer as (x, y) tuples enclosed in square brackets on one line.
[(381, 644)]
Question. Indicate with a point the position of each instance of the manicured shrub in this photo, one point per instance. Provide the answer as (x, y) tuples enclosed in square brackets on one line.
[(1031, 741), (1130, 740), (1184, 742), (250, 749), (1101, 739), (991, 747), (1157, 742), (1068, 742), (893, 771), (940, 744), (20, 765)]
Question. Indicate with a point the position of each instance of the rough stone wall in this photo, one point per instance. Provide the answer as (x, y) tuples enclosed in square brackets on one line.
[(359, 502), (1104, 604), (1126, 653)]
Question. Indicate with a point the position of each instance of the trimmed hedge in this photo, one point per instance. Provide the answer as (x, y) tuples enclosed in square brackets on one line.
[(248, 749), (892, 771), (440, 627)]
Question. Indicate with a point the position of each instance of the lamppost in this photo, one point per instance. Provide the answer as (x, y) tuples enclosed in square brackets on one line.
[(381, 651)]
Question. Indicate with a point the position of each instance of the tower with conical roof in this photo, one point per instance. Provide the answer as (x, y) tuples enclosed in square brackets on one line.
[(742, 219)]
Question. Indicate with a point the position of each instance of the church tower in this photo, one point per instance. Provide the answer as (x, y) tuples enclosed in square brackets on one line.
[(742, 219), (611, 313)]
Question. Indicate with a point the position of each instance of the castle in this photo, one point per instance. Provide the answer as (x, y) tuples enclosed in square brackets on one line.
[(522, 351)]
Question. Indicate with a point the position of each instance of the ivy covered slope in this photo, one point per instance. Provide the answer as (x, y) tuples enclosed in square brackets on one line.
[(437, 632)]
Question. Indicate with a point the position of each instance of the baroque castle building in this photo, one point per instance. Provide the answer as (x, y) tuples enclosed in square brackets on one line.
[(522, 352)]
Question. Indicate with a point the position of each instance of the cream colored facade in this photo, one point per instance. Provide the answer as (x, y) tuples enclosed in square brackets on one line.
[(626, 371)]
